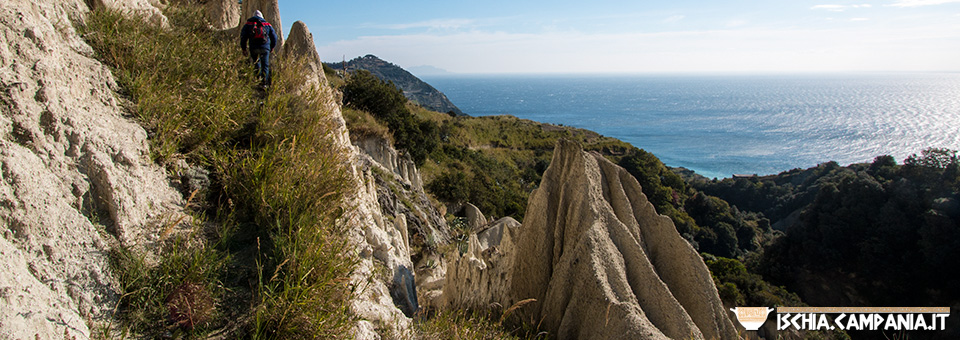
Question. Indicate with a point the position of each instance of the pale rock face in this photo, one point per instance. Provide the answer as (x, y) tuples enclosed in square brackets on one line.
[(223, 14), (388, 157), (389, 210), (300, 43), (76, 174), (475, 218), (149, 9), (493, 236), (480, 277), (598, 259), (382, 252)]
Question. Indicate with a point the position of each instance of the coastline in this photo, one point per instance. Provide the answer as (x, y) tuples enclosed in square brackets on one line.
[(724, 124)]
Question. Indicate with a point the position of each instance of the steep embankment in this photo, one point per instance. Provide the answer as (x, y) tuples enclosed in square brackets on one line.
[(597, 258), (77, 175)]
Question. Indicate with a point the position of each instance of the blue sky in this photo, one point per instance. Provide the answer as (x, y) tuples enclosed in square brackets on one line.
[(736, 36)]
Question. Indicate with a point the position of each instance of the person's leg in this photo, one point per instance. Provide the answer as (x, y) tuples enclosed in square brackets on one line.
[(265, 66), (255, 59)]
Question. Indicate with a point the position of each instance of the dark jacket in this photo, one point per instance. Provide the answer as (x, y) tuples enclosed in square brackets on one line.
[(246, 35)]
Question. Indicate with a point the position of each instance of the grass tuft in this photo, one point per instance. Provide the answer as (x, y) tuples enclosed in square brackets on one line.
[(465, 326)]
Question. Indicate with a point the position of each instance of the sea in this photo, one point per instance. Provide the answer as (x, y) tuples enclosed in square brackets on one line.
[(721, 125)]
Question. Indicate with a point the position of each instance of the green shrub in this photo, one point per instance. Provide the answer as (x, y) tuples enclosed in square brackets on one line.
[(363, 125), (738, 287), (366, 92)]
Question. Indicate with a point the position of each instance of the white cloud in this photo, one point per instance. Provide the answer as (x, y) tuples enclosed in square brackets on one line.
[(735, 23), (839, 8), (834, 8), (918, 3), (431, 24), (674, 18), (859, 19), (728, 50)]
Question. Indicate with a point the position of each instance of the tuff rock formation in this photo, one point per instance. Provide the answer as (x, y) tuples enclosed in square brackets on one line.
[(401, 198), (384, 154), (475, 218), (149, 9), (598, 260), (480, 277), (76, 174), (223, 14), (300, 43)]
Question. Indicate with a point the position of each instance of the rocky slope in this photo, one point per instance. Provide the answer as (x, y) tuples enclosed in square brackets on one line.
[(413, 88), (78, 180), (597, 259), (77, 174)]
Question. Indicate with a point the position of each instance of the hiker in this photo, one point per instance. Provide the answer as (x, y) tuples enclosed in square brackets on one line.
[(262, 39)]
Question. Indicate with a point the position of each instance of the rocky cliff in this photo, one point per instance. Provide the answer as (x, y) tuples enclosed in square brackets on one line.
[(77, 176), (597, 260)]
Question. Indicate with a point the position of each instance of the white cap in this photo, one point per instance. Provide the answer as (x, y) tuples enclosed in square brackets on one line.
[(258, 14)]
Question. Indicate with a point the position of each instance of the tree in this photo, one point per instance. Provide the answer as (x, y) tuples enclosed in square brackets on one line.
[(937, 158), (386, 103)]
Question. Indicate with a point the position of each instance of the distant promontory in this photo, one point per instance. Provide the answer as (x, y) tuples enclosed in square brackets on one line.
[(413, 88)]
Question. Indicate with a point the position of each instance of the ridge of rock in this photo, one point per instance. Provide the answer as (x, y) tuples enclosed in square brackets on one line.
[(300, 43), (598, 260)]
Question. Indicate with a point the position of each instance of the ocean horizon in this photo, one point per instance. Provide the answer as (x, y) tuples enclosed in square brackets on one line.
[(719, 125)]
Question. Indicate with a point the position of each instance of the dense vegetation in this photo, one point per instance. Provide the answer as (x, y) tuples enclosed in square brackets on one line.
[(263, 256), (364, 91), (738, 287), (882, 233)]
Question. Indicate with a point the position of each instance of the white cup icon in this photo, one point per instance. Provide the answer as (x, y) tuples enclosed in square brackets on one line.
[(752, 317)]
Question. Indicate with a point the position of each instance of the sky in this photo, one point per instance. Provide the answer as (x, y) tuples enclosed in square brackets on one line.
[(599, 36)]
